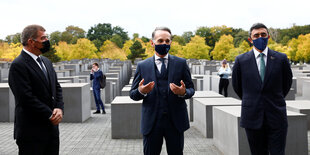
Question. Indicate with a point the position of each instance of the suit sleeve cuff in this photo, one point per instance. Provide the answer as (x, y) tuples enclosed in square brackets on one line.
[(142, 93)]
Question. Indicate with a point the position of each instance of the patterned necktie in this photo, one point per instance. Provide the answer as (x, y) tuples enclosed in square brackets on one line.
[(262, 66), (43, 68), (163, 69)]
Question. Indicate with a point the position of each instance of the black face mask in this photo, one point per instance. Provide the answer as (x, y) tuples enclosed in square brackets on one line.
[(46, 46)]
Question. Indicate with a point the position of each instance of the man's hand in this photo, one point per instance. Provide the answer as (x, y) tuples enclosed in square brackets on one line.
[(146, 88), (178, 90), (56, 117)]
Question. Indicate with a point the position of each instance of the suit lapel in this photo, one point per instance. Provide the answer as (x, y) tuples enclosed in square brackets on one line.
[(170, 70), (270, 60), (35, 67), (153, 72)]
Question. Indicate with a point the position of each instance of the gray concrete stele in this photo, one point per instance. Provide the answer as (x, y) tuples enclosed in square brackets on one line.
[(231, 139), (125, 118)]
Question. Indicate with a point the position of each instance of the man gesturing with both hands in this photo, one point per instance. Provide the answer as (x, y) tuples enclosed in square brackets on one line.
[(163, 82)]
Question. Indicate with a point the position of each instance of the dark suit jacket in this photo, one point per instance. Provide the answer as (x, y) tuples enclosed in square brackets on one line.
[(177, 71), (262, 98), (35, 98), (96, 79)]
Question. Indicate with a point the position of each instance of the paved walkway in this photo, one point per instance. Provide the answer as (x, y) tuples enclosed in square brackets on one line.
[(94, 137)]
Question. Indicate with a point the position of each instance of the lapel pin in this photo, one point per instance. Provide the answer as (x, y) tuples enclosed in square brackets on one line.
[(271, 57)]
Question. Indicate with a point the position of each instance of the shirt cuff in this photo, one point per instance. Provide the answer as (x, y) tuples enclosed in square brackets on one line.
[(182, 95), (142, 93)]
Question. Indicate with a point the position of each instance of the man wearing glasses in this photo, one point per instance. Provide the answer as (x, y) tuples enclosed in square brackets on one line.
[(262, 78), (163, 82)]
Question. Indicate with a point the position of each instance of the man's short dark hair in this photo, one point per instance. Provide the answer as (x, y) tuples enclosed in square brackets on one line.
[(96, 64), (257, 26), (30, 32), (161, 28)]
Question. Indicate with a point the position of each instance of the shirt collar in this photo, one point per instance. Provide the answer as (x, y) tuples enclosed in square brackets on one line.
[(157, 57), (34, 57), (256, 53)]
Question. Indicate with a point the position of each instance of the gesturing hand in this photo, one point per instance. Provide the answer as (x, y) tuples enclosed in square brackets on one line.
[(178, 90), (56, 117), (146, 88)]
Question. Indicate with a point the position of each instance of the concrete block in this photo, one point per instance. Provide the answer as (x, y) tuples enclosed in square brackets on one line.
[(300, 106), (108, 92), (76, 97), (306, 90), (203, 112), (7, 103), (125, 91), (200, 94), (125, 118), (231, 139)]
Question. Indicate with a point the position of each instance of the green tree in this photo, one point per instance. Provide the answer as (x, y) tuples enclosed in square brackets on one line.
[(135, 36), (66, 37), (76, 33), (15, 38), (222, 47), (55, 37), (187, 36), (179, 39), (145, 39), (137, 51), (105, 31), (116, 39)]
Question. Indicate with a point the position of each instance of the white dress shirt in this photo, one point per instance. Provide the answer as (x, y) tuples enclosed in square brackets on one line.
[(34, 57), (158, 62), (257, 57)]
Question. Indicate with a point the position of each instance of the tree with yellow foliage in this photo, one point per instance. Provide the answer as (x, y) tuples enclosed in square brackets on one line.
[(234, 52), (176, 49), (63, 50), (303, 49), (84, 48), (112, 51), (222, 47), (195, 49), (126, 47), (10, 51)]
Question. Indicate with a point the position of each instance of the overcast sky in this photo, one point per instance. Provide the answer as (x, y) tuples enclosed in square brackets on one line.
[(142, 16)]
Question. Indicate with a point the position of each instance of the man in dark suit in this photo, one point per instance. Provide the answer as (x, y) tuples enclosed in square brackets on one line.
[(95, 75), (163, 82), (38, 96), (262, 78)]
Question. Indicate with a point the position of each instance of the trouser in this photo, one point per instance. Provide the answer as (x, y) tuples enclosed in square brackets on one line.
[(50, 146), (265, 141), (223, 85), (98, 100), (164, 128)]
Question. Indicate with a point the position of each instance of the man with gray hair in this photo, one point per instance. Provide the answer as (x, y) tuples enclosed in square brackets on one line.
[(163, 82), (38, 96)]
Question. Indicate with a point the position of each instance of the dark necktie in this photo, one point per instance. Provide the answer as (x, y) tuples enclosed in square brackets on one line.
[(262, 66), (42, 67), (163, 69)]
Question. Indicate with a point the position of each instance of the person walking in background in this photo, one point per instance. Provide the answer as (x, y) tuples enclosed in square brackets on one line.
[(38, 96), (95, 75), (163, 82), (262, 78), (224, 73)]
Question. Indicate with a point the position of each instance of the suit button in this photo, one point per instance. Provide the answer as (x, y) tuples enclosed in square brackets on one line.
[(52, 97)]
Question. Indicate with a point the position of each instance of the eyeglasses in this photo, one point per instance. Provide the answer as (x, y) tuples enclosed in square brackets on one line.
[(256, 35)]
